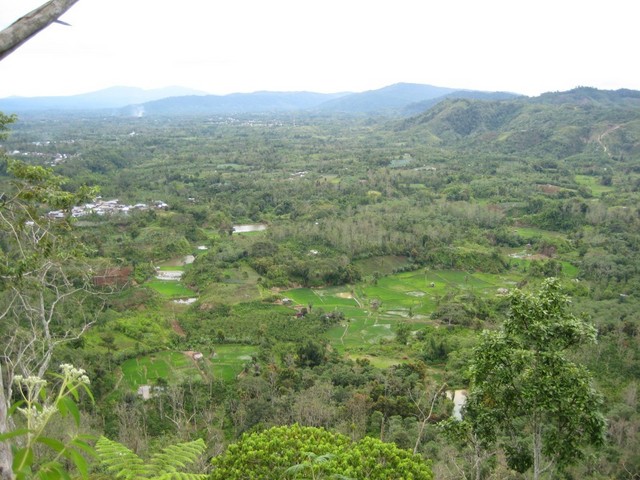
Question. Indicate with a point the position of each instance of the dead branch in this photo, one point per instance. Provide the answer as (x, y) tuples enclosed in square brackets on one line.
[(29, 25)]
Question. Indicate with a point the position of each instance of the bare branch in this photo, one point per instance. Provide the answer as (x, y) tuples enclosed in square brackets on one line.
[(425, 417), (33, 22)]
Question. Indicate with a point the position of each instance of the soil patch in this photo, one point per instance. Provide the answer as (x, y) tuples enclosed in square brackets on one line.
[(177, 328)]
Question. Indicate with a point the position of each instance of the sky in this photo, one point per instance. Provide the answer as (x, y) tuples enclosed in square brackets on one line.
[(226, 46)]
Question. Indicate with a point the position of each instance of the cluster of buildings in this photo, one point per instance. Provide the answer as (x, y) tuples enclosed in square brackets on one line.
[(107, 207), (51, 159)]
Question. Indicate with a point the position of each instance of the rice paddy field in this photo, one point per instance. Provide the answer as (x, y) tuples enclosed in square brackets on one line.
[(224, 362), (170, 288), (171, 366), (372, 311)]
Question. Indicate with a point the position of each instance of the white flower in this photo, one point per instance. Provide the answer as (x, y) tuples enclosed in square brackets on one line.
[(73, 373), (31, 382)]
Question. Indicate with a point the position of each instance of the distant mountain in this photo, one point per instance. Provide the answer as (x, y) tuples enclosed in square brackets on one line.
[(582, 122), (114, 97), (419, 107), (390, 100), (592, 96), (448, 112), (257, 102)]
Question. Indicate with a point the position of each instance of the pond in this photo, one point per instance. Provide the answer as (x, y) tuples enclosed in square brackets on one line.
[(169, 274), (256, 227)]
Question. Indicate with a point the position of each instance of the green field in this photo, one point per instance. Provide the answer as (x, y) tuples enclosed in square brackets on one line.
[(227, 363), (593, 183), (418, 291), (171, 366), (229, 360), (372, 310), (171, 288)]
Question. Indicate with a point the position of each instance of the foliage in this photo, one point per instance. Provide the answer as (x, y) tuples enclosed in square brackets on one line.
[(524, 386), (272, 453), (45, 286), (468, 200), (37, 409), (164, 465)]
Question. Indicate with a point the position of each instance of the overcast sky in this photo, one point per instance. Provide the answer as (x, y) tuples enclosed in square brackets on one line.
[(225, 46)]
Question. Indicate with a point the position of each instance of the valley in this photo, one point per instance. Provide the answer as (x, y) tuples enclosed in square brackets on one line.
[(339, 269)]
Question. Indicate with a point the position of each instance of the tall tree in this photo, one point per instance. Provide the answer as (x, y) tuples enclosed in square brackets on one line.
[(525, 390)]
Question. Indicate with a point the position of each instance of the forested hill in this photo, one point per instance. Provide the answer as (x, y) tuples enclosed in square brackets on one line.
[(582, 122)]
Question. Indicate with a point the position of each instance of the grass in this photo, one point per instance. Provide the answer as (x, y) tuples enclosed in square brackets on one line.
[(171, 289), (372, 311), (403, 297), (227, 363), (404, 294), (229, 360), (593, 183), (361, 331), (531, 232), (171, 366), (230, 293)]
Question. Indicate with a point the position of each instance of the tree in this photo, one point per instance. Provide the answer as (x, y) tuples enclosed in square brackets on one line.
[(271, 454), (403, 331), (525, 391), (44, 282), (30, 24)]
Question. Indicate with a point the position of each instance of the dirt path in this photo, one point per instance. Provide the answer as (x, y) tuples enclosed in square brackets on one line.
[(198, 364), (346, 329), (604, 134)]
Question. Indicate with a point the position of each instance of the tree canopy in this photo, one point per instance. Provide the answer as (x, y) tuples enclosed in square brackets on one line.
[(271, 454), (527, 393)]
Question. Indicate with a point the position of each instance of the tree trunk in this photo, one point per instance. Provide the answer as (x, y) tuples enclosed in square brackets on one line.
[(26, 27), (537, 450), (477, 463)]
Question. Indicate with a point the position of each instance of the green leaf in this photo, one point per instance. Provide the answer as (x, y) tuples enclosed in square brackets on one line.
[(118, 458), (13, 434), (80, 462), (67, 405), (177, 456), (84, 446), (14, 407), (52, 443), (52, 471), (22, 459)]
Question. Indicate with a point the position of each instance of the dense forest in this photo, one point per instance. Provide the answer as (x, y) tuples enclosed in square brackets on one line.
[(450, 292)]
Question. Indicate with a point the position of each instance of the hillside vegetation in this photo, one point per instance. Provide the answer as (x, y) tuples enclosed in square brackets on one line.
[(385, 246)]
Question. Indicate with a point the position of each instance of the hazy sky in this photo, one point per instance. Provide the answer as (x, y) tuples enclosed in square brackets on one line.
[(224, 46)]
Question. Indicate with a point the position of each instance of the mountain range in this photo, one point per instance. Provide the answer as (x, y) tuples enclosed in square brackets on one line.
[(108, 98), (511, 120), (397, 99)]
